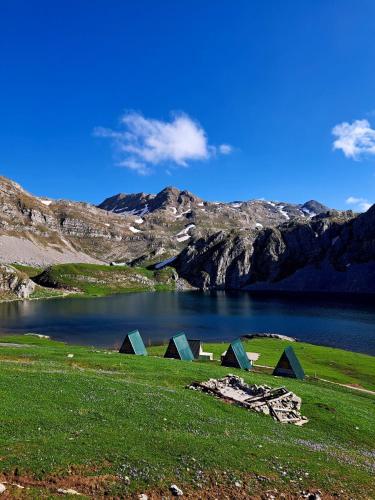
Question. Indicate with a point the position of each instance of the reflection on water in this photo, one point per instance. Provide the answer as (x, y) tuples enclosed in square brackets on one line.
[(210, 316)]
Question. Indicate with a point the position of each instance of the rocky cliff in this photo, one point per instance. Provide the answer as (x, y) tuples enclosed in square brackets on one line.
[(14, 284), (331, 252)]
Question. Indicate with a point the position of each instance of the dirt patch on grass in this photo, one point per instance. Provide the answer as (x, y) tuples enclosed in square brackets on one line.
[(96, 486), (326, 407), (113, 487), (15, 360), (356, 386)]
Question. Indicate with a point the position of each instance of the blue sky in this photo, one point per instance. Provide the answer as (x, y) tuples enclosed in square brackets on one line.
[(231, 100)]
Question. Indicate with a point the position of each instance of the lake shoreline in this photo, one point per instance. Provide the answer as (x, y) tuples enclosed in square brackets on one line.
[(215, 315)]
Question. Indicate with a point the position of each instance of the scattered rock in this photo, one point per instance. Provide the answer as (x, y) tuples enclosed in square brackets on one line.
[(40, 336), (19, 486), (2, 488), (238, 484), (269, 336), (142, 496), (176, 491), (70, 356), (69, 491)]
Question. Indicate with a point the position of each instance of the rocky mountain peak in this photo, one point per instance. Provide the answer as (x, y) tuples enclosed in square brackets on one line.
[(123, 203), (313, 207), (171, 197)]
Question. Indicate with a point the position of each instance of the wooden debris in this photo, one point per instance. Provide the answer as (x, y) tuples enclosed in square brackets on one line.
[(282, 405)]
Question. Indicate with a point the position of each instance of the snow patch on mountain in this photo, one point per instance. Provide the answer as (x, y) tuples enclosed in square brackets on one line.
[(282, 211), (185, 230), (183, 238), (45, 202)]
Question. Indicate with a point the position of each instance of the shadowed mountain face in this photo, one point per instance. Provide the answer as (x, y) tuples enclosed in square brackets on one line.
[(142, 228), (332, 252)]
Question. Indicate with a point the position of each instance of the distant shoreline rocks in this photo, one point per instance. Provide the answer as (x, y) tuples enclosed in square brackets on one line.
[(269, 335)]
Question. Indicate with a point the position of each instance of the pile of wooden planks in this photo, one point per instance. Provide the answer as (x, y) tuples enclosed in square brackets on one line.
[(282, 405)]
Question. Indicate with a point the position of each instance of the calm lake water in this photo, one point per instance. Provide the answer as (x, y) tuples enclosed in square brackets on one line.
[(209, 316)]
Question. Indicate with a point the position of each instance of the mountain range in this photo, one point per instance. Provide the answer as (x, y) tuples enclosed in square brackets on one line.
[(125, 227), (252, 245)]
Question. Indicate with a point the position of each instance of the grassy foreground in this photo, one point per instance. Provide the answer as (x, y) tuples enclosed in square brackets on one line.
[(113, 425)]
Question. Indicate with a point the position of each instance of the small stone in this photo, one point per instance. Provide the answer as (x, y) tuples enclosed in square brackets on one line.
[(127, 480), (70, 356), (69, 491), (2, 488), (142, 496), (18, 486), (238, 484), (261, 478), (175, 490)]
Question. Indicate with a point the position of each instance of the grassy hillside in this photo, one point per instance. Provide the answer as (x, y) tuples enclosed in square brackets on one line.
[(93, 280), (110, 424), (97, 280), (30, 271)]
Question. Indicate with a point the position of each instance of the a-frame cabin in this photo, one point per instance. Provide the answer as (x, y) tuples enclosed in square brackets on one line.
[(236, 357), (289, 365), (133, 344), (179, 348)]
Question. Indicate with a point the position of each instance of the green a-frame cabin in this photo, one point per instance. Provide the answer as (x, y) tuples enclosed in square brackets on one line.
[(133, 344)]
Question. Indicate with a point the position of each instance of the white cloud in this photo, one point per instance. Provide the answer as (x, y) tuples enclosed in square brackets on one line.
[(359, 204), (225, 149), (355, 139), (144, 142), (136, 165)]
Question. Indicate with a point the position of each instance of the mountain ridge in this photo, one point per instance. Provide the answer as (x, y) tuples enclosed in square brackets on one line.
[(253, 245), (135, 227)]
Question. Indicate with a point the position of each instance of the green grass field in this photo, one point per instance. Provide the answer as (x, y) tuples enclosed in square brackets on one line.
[(113, 425)]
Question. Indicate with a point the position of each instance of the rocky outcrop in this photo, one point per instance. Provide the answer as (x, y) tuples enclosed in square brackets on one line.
[(14, 283), (220, 261), (332, 252)]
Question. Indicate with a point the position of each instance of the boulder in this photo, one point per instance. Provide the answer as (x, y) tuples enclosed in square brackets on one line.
[(15, 283)]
